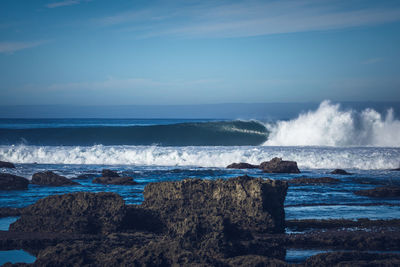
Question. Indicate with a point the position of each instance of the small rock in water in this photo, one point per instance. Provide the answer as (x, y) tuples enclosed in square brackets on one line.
[(322, 180), (242, 165), (340, 172), (4, 164), (49, 178), (277, 165), (12, 182)]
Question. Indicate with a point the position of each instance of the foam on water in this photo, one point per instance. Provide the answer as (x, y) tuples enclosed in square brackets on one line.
[(329, 125), (366, 158)]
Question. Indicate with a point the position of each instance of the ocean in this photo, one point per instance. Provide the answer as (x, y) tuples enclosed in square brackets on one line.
[(365, 143)]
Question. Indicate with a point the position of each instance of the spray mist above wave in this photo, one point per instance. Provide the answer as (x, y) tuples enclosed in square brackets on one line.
[(329, 125)]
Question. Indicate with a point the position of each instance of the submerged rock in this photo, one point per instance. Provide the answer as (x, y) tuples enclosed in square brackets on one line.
[(5, 164), (109, 173), (277, 165), (12, 182), (84, 213), (340, 172), (321, 180), (242, 165), (49, 178), (384, 191), (115, 180)]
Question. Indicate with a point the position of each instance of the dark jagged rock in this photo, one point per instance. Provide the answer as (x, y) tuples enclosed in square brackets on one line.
[(398, 169), (353, 258), (216, 214), (340, 172), (5, 164), (84, 213), (384, 191), (9, 212), (322, 180), (12, 182), (85, 176), (109, 173), (49, 178), (255, 260), (277, 165), (115, 180), (242, 165)]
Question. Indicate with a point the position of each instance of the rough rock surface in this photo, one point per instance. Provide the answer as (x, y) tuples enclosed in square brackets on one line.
[(340, 172), (277, 165), (384, 191), (109, 173), (216, 214), (321, 180), (49, 178), (242, 165), (114, 180), (12, 182), (9, 212), (5, 164), (85, 213)]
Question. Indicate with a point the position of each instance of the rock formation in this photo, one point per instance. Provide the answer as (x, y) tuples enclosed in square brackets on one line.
[(242, 165), (12, 182), (4, 164), (277, 165), (384, 191), (49, 178)]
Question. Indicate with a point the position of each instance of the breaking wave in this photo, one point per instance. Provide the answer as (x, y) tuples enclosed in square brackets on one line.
[(329, 125)]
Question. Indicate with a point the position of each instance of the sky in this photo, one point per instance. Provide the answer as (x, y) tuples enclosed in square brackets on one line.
[(97, 52)]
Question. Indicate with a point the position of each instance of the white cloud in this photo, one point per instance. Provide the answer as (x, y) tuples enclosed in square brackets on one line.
[(63, 3), (249, 18), (11, 47)]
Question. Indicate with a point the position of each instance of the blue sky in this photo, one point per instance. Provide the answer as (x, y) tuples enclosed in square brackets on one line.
[(94, 52)]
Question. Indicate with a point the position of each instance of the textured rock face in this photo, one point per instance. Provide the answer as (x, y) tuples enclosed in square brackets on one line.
[(114, 180), (242, 165), (4, 164), (277, 165), (85, 213), (49, 178), (12, 182), (384, 191), (321, 180)]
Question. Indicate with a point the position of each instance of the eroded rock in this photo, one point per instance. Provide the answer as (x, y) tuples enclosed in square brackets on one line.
[(321, 180), (340, 172), (242, 165), (384, 191), (5, 164), (115, 180)]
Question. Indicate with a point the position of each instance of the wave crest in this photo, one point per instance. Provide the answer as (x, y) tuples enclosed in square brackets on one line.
[(331, 126)]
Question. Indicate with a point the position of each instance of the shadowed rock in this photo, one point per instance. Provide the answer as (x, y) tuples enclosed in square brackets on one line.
[(340, 172), (9, 212), (322, 180), (114, 180), (12, 182), (277, 165), (384, 191), (353, 258), (84, 213), (49, 178), (4, 164), (242, 165)]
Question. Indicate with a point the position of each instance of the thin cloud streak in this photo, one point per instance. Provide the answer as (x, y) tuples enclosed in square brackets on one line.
[(11, 47), (63, 3), (246, 19)]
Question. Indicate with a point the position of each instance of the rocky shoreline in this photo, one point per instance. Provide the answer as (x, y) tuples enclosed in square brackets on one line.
[(193, 222)]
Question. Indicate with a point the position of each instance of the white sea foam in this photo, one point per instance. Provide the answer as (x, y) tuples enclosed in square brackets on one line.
[(329, 125), (306, 157)]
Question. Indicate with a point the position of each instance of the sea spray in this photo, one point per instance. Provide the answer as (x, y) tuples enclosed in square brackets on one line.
[(329, 125)]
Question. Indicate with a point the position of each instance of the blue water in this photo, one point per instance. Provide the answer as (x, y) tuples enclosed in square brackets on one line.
[(15, 256)]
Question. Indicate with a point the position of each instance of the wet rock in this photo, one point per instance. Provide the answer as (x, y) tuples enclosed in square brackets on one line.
[(398, 169), (4, 164), (109, 173), (322, 180), (353, 258), (9, 212), (84, 213), (340, 172), (215, 214), (255, 260), (242, 165), (49, 178), (115, 180), (12, 182), (85, 176), (277, 165), (384, 191)]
